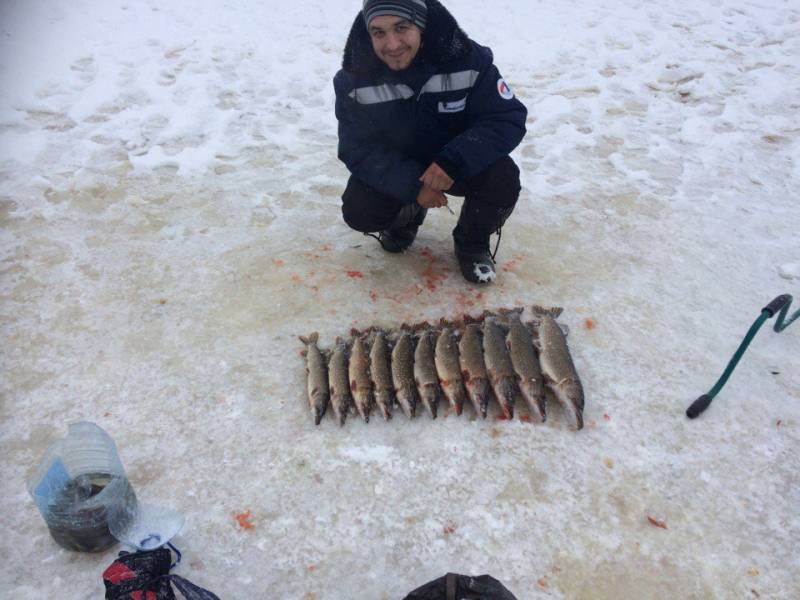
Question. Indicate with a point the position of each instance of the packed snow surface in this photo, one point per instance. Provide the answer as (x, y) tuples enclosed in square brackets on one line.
[(169, 202)]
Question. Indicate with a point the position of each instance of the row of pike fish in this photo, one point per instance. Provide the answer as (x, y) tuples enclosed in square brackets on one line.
[(495, 355)]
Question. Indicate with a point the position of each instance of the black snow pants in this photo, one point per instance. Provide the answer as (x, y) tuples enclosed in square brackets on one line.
[(490, 196)]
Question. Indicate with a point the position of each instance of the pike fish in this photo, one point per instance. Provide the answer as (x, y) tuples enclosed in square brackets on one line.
[(403, 374), (339, 384), (449, 370), (381, 371), (499, 367), (425, 372), (473, 368), (557, 366), (317, 372), (360, 383), (526, 365)]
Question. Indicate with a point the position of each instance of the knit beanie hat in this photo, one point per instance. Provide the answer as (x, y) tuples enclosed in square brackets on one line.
[(414, 10)]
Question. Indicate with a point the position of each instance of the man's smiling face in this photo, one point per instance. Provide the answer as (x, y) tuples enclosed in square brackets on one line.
[(395, 40)]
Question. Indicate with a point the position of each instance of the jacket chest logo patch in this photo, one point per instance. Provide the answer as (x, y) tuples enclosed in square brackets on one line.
[(452, 107), (503, 89)]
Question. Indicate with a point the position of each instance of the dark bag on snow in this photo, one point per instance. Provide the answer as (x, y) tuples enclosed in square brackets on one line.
[(145, 576), (462, 587)]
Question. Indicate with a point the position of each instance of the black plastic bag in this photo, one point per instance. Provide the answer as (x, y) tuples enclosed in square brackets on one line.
[(145, 576), (462, 587)]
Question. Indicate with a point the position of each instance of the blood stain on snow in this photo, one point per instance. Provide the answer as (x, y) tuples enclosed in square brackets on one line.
[(543, 583), (466, 300), (449, 528), (589, 324), (311, 568), (373, 295), (525, 418), (606, 417), (355, 275), (778, 423), (656, 523), (245, 520), (511, 264), (278, 262)]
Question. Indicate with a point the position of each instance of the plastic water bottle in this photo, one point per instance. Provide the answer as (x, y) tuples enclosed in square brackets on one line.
[(80, 486)]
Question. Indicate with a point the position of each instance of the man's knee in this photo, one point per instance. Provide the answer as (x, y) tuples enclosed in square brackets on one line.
[(365, 209), (498, 184)]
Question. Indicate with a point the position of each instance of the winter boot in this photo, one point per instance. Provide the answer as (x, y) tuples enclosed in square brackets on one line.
[(401, 233), (471, 240)]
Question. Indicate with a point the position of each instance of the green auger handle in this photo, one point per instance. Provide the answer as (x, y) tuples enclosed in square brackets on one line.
[(779, 305)]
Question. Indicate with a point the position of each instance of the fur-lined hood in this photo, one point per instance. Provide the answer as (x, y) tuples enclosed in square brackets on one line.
[(442, 42)]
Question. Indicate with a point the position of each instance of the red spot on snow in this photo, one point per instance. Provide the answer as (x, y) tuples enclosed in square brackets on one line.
[(543, 583), (278, 262), (656, 523), (449, 528), (779, 423), (606, 417), (511, 264), (355, 274), (525, 419), (373, 296), (326, 248), (589, 323), (245, 520)]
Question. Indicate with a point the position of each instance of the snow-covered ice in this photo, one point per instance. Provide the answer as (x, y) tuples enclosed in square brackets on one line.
[(169, 202)]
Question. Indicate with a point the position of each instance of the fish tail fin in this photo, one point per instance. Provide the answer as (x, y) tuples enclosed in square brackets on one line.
[(541, 311), (312, 338)]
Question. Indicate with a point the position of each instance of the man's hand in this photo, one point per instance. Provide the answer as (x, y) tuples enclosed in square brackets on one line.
[(435, 178), (429, 198)]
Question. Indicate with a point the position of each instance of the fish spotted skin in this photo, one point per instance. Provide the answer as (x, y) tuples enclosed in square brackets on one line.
[(499, 367), (381, 372), (360, 383), (317, 372), (341, 398), (403, 374), (449, 369), (473, 368), (526, 367), (558, 369), (425, 375)]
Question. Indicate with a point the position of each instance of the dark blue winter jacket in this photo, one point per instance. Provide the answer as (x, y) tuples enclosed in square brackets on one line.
[(451, 106)]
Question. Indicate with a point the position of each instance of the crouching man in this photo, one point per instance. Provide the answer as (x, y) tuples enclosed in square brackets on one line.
[(423, 112)]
